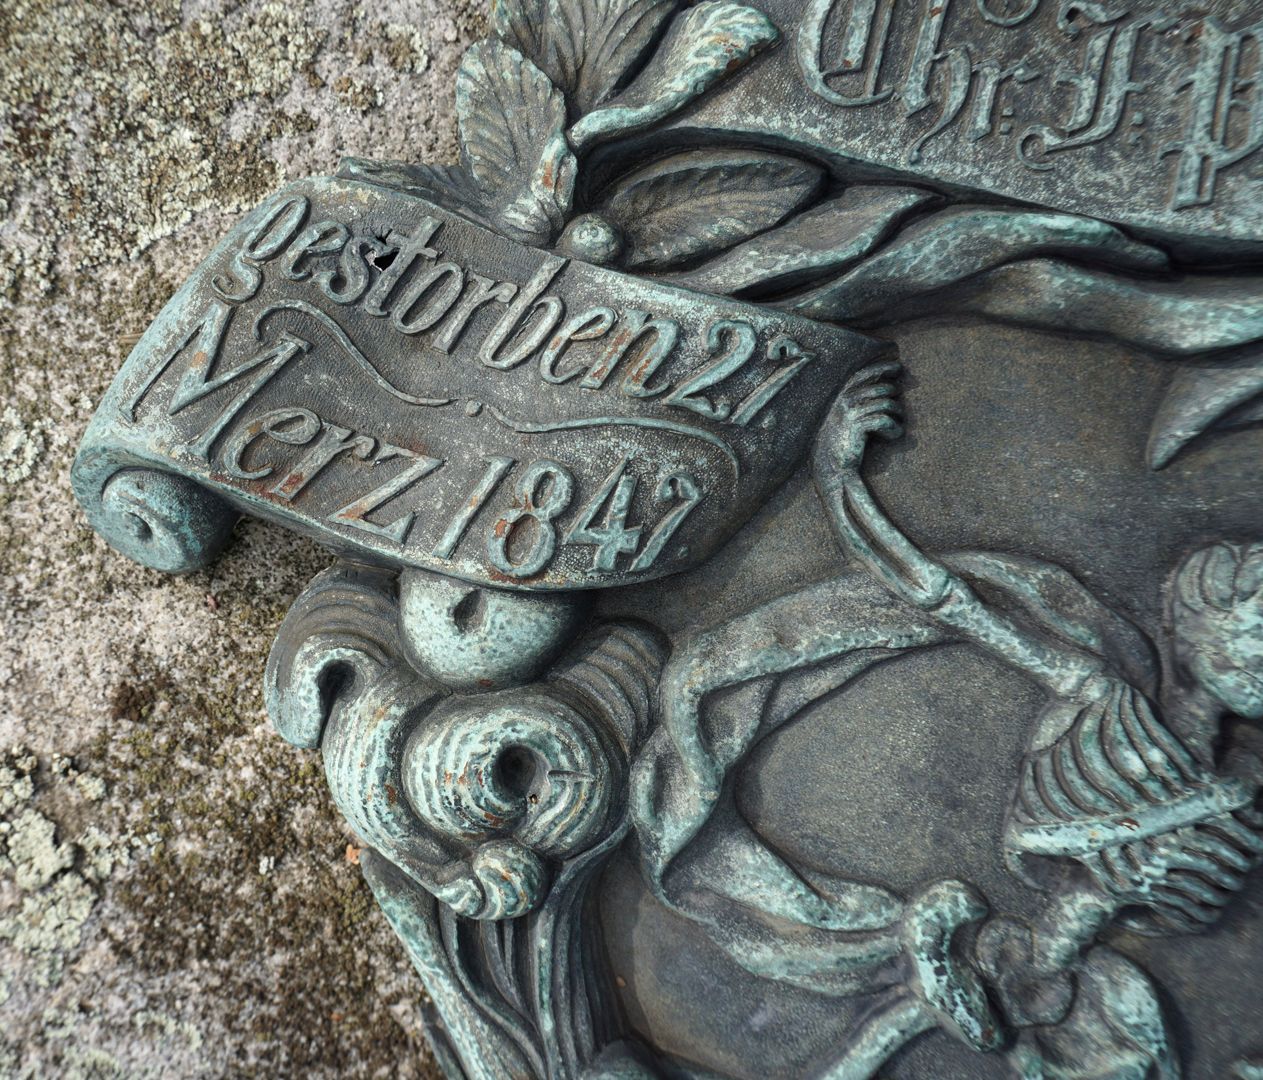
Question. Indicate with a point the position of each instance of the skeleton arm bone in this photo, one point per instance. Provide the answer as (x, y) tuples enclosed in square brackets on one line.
[(867, 407)]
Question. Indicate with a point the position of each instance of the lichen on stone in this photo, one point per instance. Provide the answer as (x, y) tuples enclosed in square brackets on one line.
[(21, 446), (405, 47), (44, 914), (145, 152), (33, 852), (132, 134), (49, 925)]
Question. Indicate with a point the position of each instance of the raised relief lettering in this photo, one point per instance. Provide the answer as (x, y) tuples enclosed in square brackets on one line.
[(1225, 110), (334, 440), (323, 238), (1021, 11), (484, 454), (968, 65), (1101, 89), (926, 54), (649, 340), (586, 326), (355, 513), (740, 340), (684, 490), (407, 249), (296, 426), (347, 283), (292, 427), (206, 335), (439, 287), (609, 533), (479, 292), (640, 376), (781, 348), (497, 469), (991, 78), (197, 384), (860, 55), (265, 242), (543, 492), (527, 322)]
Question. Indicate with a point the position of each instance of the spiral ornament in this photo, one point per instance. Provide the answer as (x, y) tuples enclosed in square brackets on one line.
[(519, 763), (502, 880), (338, 636), (164, 521)]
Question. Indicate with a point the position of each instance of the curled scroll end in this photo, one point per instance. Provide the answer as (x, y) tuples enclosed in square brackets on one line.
[(161, 520), (341, 630), (503, 880)]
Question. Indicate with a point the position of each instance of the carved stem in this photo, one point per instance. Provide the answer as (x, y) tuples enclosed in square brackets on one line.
[(884, 1033)]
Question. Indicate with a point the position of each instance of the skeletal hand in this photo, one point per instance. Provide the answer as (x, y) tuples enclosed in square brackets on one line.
[(866, 406)]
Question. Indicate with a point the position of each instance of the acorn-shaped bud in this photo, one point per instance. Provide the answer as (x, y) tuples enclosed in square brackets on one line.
[(592, 239)]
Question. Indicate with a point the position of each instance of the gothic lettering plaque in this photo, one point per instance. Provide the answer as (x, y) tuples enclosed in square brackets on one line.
[(797, 607)]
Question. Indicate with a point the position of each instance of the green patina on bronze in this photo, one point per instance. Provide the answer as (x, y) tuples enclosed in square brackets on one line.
[(474, 335)]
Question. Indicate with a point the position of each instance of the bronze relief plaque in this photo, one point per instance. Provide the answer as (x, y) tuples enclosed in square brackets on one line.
[(797, 600)]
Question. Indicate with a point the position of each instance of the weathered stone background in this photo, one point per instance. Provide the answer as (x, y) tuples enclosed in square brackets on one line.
[(177, 896)]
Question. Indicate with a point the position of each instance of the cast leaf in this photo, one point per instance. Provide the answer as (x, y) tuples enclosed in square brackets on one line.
[(697, 204), (597, 43), (1204, 398), (522, 25), (953, 248), (449, 186), (824, 239), (512, 121), (706, 44)]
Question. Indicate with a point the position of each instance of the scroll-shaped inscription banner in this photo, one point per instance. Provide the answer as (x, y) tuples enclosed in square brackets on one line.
[(404, 385)]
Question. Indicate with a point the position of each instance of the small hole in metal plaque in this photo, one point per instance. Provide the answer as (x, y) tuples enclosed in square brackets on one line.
[(515, 771), (384, 260), (143, 530), (467, 615)]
